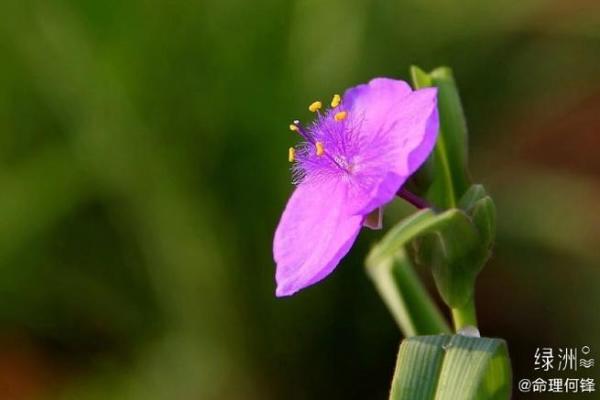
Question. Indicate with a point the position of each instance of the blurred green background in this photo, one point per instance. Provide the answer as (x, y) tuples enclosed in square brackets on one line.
[(143, 171)]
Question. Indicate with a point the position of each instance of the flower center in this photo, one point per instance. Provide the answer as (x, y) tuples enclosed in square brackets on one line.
[(328, 145)]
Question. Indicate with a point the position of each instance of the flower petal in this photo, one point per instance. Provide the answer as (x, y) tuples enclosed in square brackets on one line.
[(398, 130), (374, 100), (314, 233)]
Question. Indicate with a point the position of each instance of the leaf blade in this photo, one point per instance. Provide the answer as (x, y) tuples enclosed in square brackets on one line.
[(454, 127), (457, 367), (406, 297), (449, 158)]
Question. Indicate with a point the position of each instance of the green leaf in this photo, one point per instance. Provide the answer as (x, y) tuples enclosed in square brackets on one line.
[(458, 245), (482, 210), (445, 367), (405, 296), (441, 190), (455, 244), (402, 233), (454, 127), (398, 285), (447, 242), (449, 158), (475, 193), (419, 77), (450, 248)]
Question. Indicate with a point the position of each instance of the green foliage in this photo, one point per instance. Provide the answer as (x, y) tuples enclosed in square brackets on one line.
[(457, 246), (456, 367), (392, 273), (455, 243), (447, 165)]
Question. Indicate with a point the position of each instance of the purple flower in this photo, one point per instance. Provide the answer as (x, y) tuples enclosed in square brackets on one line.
[(354, 158)]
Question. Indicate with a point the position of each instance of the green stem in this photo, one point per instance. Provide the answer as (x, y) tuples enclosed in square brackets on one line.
[(465, 316)]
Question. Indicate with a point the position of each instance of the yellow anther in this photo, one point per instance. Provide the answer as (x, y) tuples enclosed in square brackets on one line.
[(340, 116), (315, 106), (293, 127), (320, 149), (291, 154), (336, 100)]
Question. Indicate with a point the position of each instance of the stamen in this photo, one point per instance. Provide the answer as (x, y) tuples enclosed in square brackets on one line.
[(340, 116), (320, 148), (291, 154), (336, 100), (315, 106), (296, 126)]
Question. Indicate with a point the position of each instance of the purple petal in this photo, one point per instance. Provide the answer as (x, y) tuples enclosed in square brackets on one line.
[(398, 130), (313, 235), (375, 100)]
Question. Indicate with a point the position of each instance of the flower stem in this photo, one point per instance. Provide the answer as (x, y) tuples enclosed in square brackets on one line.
[(413, 199), (465, 315)]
